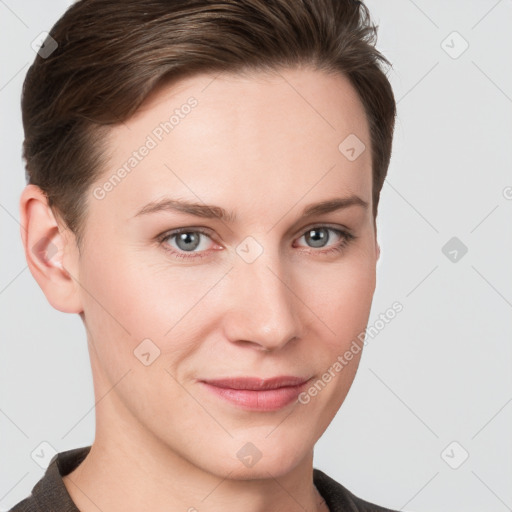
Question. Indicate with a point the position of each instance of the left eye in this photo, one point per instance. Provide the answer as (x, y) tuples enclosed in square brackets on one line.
[(319, 235)]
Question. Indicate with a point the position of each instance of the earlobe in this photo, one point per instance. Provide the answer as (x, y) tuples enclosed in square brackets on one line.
[(50, 251)]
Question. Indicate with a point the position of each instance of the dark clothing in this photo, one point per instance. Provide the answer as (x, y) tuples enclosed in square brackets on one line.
[(50, 493)]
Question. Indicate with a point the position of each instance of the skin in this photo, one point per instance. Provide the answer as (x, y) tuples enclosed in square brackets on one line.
[(256, 146)]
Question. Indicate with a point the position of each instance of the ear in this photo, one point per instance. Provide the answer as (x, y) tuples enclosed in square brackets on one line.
[(378, 250), (50, 250)]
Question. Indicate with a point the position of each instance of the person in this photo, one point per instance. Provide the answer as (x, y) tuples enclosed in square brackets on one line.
[(258, 132)]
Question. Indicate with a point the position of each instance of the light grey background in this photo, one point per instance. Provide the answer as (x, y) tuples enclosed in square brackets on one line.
[(439, 372)]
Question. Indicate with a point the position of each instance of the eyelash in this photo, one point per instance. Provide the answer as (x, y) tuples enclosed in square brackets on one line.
[(338, 248)]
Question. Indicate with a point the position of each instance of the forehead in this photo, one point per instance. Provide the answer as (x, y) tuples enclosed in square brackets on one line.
[(257, 138)]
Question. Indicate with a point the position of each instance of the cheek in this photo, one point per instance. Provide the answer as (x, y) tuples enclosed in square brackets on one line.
[(341, 295), (118, 301), (342, 299), (354, 298), (131, 298)]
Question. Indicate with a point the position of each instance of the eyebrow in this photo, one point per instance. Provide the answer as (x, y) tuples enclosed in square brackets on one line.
[(216, 212)]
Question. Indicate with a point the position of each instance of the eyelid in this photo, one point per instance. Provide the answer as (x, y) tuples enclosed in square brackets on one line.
[(187, 229), (336, 227)]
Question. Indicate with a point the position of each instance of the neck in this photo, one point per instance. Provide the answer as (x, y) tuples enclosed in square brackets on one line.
[(129, 469)]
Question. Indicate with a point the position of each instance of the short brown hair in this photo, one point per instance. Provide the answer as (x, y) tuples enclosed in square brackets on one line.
[(112, 53)]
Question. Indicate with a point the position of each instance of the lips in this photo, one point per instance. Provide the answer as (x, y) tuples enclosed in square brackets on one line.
[(257, 394), (255, 383)]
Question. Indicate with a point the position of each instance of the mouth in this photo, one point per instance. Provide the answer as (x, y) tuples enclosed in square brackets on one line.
[(258, 394)]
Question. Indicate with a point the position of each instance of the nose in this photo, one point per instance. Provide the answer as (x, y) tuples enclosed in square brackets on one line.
[(264, 306)]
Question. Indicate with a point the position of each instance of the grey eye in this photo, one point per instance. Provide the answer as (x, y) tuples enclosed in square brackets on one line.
[(317, 236), (188, 241)]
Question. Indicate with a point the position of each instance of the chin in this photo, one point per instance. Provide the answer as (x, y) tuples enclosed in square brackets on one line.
[(259, 459)]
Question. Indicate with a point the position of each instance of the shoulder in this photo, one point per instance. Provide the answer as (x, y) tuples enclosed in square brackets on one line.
[(27, 505), (50, 493), (340, 499)]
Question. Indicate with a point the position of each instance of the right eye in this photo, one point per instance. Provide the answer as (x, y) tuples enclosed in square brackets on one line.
[(186, 240)]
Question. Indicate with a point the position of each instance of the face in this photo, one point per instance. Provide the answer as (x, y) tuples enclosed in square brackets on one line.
[(174, 295)]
